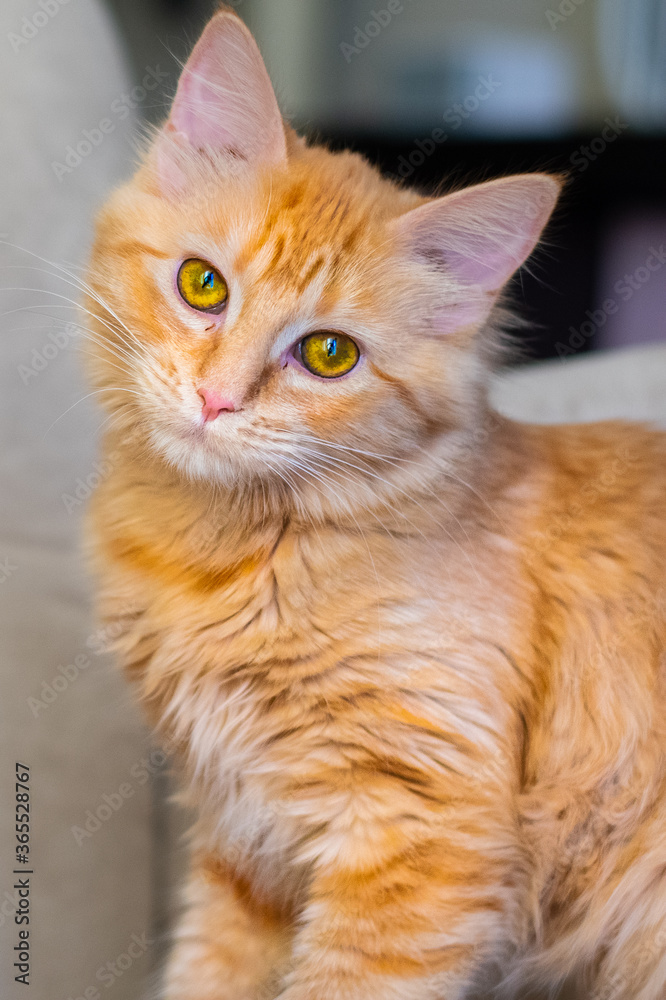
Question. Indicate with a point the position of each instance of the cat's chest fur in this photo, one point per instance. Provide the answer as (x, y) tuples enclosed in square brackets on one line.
[(285, 672)]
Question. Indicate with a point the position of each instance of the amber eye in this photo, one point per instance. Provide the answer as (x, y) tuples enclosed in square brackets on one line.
[(202, 286), (329, 354)]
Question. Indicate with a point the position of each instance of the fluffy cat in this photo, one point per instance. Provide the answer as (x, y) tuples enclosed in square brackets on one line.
[(408, 654)]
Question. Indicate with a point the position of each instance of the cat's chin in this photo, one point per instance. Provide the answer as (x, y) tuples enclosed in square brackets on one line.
[(198, 455)]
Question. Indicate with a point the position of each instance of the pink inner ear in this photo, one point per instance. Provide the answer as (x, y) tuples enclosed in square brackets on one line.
[(225, 102), (202, 96), (481, 266), (169, 150), (460, 315), (480, 236)]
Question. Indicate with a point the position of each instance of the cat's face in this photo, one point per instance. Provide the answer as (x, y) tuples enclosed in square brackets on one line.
[(277, 312)]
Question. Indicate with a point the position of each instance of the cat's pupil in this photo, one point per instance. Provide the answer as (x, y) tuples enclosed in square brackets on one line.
[(208, 280), (331, 346)]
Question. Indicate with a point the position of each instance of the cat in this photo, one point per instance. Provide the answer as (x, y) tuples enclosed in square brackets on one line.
[(408, 654)]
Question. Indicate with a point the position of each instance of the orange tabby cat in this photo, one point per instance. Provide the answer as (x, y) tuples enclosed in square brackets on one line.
[(409, 654)]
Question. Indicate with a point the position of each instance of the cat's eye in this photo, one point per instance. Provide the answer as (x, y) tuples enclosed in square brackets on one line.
[(202, 286), (329, 354)]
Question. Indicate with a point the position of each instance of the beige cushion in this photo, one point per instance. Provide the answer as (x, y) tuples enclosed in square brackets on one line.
[(630, 383), (59, 75)]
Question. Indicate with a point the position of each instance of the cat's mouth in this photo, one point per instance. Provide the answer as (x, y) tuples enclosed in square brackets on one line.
[(211, 436), (225, 440)]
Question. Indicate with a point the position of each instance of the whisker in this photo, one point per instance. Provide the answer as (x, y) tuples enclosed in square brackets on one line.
[(95, 392), (72, 304), (81, 284), (393, 486)]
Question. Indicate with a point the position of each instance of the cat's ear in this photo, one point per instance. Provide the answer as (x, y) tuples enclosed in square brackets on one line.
[(225, 103), (479, 237)]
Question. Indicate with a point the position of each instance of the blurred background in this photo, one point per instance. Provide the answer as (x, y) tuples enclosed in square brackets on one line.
[(436, 92), (440, 91)]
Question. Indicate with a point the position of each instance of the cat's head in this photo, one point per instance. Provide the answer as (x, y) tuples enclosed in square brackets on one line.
[(266, 308)]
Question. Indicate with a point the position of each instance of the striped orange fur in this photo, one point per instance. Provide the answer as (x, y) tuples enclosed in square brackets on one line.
[(408, 655)]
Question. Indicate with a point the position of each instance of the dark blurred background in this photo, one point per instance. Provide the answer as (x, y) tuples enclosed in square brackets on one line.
[(441, 91)]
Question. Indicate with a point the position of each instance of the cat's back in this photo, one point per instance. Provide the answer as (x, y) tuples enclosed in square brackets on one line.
[(585, 518), (599, 501), (594, 556)]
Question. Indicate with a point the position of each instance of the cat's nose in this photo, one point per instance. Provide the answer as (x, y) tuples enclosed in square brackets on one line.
[(214, 404)]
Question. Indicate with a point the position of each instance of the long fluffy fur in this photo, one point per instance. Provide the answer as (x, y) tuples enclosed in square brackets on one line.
[(408, 654)]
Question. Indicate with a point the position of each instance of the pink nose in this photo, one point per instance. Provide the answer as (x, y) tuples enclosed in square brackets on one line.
[(214, 404)]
